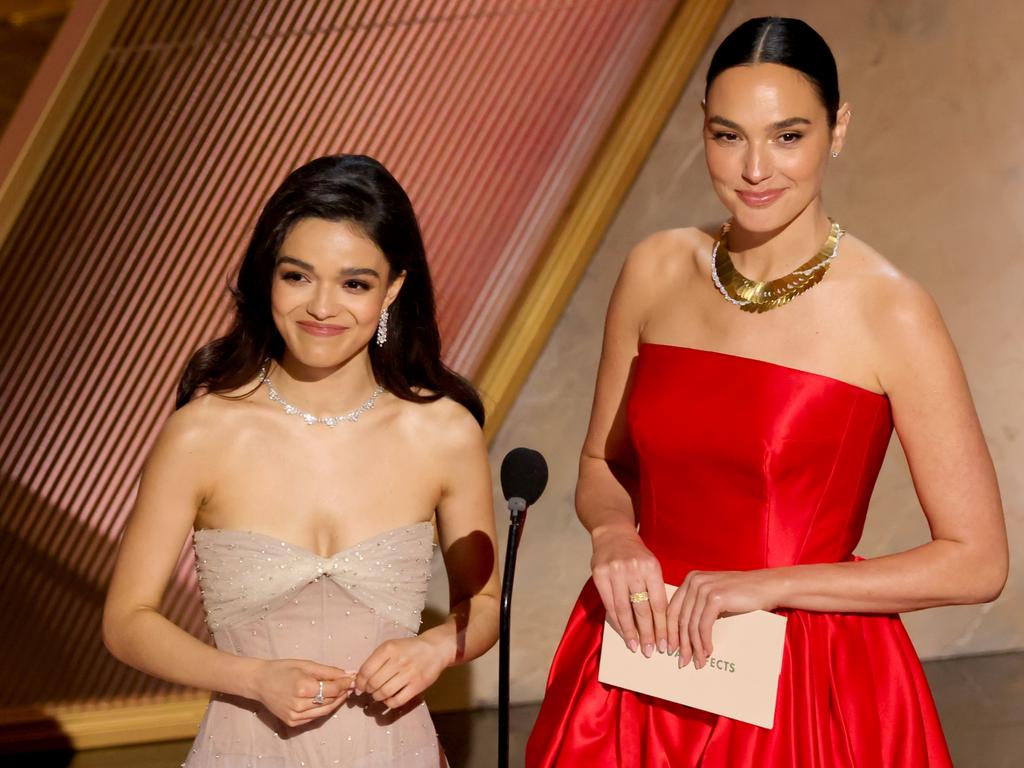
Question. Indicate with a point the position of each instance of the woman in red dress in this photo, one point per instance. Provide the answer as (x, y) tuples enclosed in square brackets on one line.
[(739, 423)]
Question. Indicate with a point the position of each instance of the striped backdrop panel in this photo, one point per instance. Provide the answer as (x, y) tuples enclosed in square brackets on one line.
[(116, 268)]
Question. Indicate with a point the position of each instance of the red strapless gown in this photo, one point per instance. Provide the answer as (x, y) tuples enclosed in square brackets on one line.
[(746, 464)]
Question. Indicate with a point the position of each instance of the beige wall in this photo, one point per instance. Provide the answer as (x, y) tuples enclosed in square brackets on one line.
[(933, 176)]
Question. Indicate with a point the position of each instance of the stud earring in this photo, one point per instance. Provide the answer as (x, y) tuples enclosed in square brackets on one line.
[(835, 155), (382, 328)]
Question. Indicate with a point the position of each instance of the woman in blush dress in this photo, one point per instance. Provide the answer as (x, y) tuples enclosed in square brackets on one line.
[(748, 387), (311, 448)]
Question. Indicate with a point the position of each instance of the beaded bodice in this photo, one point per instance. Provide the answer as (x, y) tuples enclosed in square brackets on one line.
[(243, 574), (270, 599)]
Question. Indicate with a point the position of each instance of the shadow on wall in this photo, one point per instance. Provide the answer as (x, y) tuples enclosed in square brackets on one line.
[(473, 556), (455, 689), (54, 571)]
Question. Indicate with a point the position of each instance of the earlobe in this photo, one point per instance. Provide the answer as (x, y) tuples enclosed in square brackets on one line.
[(839, 132)]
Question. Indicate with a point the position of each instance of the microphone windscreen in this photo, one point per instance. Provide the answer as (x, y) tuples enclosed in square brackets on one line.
[(524, 473)]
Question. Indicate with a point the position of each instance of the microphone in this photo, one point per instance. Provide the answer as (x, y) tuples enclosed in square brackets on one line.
[(524, 475)]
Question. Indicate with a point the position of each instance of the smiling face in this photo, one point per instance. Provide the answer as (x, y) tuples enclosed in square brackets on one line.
[(767, 142), (330, 284)]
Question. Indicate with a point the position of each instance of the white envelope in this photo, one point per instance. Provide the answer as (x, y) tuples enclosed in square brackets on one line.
[(740, 679)]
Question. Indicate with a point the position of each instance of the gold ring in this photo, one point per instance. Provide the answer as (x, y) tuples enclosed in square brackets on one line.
[(639, 597)]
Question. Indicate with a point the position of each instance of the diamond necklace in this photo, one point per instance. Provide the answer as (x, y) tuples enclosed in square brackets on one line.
[(309, 418), (761, 296)]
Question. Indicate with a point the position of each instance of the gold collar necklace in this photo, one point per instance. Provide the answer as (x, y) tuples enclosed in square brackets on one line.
[(761, 296)]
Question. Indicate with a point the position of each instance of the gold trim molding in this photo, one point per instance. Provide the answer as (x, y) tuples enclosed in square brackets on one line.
[(47, 106), (20, 12), (583, 224), (103, 724)]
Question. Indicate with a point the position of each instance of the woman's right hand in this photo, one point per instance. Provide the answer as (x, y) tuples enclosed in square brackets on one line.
[(287, 687), (623, 565)]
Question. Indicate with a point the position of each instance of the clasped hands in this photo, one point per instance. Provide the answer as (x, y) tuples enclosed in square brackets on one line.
[(396, 672), (622, 565)]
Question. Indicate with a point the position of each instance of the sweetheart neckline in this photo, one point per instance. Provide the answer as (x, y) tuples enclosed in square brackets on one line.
[(360, 543), (768, 363)]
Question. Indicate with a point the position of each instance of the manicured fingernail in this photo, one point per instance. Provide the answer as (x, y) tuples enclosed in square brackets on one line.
[(358, 691), (662, 646), (633, 645), (648, 650)]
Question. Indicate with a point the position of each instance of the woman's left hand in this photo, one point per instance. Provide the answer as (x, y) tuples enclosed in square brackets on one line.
[(399, 670), (704, 596)]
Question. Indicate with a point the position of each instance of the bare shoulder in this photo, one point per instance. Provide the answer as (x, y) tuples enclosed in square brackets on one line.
[(667, 254), (891, 302), (660, 268), (442, 425), (203, 426), (902, 321), (188, 430)]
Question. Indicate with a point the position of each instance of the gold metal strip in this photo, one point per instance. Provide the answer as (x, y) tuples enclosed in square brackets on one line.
[(572, 245), (51, 100), (19, 12), (102, 725)]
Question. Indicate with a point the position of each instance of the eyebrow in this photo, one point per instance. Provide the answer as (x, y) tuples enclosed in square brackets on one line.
[(344, 272), (789, 122)]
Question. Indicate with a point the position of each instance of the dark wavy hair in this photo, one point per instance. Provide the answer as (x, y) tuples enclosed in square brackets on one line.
[(356, 189), (778, 40)]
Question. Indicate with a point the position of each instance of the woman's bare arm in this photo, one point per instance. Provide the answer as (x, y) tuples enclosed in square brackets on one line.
[(170, 493), (966, 560), (172, 489), (401, 669), (605, 492)]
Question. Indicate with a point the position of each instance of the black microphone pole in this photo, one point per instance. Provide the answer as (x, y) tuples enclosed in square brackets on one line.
[(524, 473), (517, 509)]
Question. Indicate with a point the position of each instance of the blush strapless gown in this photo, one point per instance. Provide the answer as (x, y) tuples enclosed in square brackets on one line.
[(270, 599), (746, 464)]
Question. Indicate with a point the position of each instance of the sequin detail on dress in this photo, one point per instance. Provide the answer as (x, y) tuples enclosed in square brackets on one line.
[(243, 574), (268, 598)]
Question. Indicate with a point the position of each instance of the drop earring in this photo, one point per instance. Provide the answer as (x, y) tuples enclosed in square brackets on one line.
[(382, 328)]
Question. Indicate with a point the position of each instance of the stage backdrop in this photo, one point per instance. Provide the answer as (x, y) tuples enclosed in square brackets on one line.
[(933, 177), (122, 222)]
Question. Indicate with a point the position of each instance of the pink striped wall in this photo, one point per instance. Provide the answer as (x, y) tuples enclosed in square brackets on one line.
[(115, 270)]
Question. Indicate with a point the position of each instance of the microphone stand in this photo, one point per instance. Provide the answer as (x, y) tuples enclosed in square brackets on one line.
[(517, 508)]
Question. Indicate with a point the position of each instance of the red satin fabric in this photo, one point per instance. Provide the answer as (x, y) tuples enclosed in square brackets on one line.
[(746, 464)]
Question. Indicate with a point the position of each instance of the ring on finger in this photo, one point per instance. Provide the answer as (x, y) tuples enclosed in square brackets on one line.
[(639, 597), (319, 698)]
